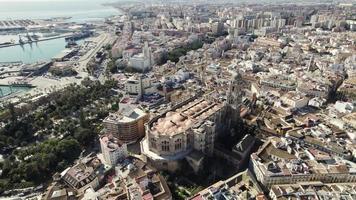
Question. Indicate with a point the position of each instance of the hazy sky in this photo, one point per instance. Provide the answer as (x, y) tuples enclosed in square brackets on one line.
[(30, 0), (55, 0)]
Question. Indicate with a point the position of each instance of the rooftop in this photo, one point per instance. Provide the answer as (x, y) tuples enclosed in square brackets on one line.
[(239, 186), (111, 142), (281, 156), (127, 113), (315, 190), (185, 117)]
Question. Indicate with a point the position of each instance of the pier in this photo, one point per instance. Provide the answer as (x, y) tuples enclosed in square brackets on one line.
[(13, 88), (39, 40)]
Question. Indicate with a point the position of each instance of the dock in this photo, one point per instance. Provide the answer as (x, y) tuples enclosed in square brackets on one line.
[(39, 40)]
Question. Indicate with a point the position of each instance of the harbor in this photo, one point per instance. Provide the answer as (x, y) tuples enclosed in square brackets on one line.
[(35, 45), (6, 90), (41, 50), (26, 77), (31, 39)]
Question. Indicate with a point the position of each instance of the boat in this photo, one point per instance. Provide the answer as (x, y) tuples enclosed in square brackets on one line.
[(35, 37), (78, 36), (21, 40), (71, 43), (29, 39)]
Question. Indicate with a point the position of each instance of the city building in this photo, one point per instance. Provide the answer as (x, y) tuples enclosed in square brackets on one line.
[(217, 28), (240, 186), (270, 42), (112, 149), (284, 161), (139, 85), (313, 190), (82, 175), (350, 119), (144, 61), (144, 182), (127, 124), (173, 135), (56, 192), (172, 63), (133, 179), (295, 100), (188, 129)]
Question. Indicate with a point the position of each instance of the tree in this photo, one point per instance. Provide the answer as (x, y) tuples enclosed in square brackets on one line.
[(19, 134), (83, 122), (115, 106), (43, 158), (31, 171), (84, 136), (111, 66), (86, 82), (13, 116), (112, 83), (68, 149)]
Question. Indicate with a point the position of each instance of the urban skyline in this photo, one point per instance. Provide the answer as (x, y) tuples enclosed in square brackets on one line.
[(177, 100)]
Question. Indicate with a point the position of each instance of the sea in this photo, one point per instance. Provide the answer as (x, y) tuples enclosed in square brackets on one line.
[(7, 90), (79, 11), (34, 52)]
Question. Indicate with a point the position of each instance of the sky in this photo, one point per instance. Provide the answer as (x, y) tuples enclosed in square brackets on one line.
[(55, 0)]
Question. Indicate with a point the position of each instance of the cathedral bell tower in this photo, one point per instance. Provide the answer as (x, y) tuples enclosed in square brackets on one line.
[(234, 97), (234, 100)]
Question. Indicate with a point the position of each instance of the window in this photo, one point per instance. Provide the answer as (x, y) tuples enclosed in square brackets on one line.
[(153, 143), (165, 146), (178, 144)]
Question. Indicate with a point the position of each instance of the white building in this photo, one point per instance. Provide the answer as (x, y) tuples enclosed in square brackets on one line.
[(295, 99), (144, 61), (113, 149), (139, 85), (344, 107)]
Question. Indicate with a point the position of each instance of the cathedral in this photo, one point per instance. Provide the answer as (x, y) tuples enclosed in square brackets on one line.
[(189, 129)]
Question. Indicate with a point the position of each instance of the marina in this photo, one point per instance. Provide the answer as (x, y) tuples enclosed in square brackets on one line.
[(34, 33), (27, 39), (32, 72), (6, 90), (75, 11), (42, 50)]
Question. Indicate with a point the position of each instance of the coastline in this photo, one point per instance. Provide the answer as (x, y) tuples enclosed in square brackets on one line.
[(78, 10), (114, 5)]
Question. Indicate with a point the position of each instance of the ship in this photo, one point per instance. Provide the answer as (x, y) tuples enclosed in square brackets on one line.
[(21, 40), (35, 37), (71, 43), (29, 39), (79, 36)]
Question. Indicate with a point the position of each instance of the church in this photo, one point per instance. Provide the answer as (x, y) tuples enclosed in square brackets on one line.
[(189, 129), (144, 61)]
